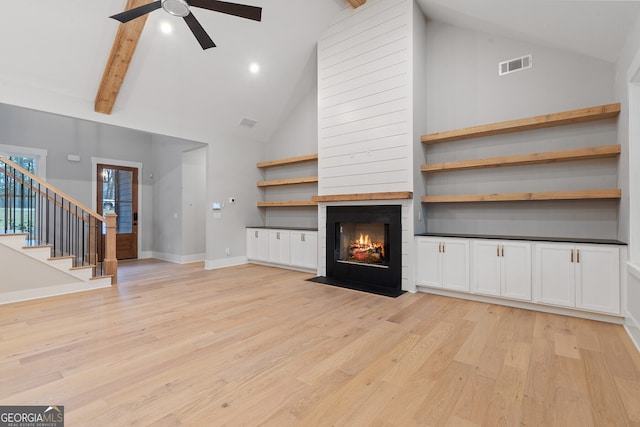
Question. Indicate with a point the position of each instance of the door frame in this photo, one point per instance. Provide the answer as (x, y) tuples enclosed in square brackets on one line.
[(94, 190)]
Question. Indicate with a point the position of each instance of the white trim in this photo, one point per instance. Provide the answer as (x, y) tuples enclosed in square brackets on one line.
[(224, 262), (94, 190), (632, 326), (40, 154), (525, 305), (30, 294)]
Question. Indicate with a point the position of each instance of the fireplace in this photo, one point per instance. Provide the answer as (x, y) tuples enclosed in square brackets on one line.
[(364, 247)]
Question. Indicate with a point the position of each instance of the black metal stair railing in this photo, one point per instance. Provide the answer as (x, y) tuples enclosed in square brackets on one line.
[(49, 217)]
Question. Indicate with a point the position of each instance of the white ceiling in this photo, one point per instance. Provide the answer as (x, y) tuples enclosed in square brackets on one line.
[(52, 55)]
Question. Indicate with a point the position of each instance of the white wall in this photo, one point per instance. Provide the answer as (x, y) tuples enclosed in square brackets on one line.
[(297, 135), (364, 100), (168, 218), (629, 230), (464, 90), (231, 172), (194, 200), (420, 97)]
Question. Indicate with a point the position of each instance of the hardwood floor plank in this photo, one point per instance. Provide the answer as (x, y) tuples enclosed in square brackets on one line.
[(252, 345)]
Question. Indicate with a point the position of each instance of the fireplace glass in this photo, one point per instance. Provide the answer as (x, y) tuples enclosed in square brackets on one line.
[(364, 243)]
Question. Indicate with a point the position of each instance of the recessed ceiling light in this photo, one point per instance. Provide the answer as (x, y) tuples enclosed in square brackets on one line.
[(254, 68), (166, 27)]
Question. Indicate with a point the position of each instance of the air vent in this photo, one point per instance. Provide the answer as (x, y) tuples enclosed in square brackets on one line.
[(249, 123), (516, 64)]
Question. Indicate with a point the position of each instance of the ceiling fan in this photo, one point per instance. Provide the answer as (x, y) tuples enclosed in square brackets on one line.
[(181, 8)]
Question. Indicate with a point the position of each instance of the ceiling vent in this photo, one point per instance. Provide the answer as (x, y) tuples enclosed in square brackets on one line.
[(249, 123), (516, 64)]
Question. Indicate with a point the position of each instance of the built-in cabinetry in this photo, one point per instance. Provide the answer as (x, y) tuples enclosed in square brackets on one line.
[(501, 268), (582, 277), (578, 276), (538, 122), (287, 181), (297, 249), (443, 263)]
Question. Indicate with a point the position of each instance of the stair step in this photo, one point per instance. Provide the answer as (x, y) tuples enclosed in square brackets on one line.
[(84, 272), (63, 263), (106, 280), (13, 240), (42, 253)]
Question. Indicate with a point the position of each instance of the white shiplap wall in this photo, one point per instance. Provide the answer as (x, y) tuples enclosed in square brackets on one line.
[(364, 100)]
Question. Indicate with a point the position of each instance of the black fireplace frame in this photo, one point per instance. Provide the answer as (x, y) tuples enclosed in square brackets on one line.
[(362, 274)]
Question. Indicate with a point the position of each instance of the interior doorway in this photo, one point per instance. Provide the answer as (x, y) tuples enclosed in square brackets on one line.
[(117, 192)]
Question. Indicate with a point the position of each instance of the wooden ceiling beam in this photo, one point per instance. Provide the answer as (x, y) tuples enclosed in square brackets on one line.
[(119, 59), (357, 3)]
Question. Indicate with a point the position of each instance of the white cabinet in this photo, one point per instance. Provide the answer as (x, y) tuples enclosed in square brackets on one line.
[(304, 249), (443, 263), (283, 248), (586, 277), (257, 244), (502, 268), (278, 246)]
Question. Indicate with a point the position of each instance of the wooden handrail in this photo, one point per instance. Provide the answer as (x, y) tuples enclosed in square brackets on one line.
[(110, 262), (52, 189)]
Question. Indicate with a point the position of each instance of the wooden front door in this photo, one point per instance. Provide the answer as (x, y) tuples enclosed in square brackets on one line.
[(118, 193)]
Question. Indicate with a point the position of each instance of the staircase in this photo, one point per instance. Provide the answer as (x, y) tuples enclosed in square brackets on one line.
[(50, 244)]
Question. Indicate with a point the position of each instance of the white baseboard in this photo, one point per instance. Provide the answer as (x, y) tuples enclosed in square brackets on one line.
[(525, 305), (632, 327), (213, 264), (177, 259), (145, 255), (30, 294)]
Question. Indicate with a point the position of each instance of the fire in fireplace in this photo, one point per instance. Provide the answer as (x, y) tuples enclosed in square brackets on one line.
[(363, 243)]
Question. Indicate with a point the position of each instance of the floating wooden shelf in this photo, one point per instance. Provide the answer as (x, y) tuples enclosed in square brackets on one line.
[(288, 161), (364, 196), (504, 197), (286, 203), (526, 159), (289, 181), (538, 122)]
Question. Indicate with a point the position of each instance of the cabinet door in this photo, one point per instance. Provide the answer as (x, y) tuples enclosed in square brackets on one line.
[(304, 249), (455, 264), (257, 244), (598, 278), (428, 262), (279, 246), (554, 275), (515, 270), (486, 267)]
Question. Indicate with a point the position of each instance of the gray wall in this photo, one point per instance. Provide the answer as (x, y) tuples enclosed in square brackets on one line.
[(297, 135), (194, 201), (420, 97), (167, 169), (231, 172), (465, 90)]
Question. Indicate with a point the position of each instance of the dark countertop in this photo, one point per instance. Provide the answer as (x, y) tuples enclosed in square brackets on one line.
[(284, 228), (526, 238)]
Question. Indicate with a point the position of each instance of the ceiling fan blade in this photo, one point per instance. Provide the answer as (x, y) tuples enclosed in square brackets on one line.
[(137, 12), (235, 9), (197, 30)]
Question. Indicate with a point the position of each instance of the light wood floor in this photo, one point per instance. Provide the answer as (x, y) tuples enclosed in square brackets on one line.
[(245, 346)]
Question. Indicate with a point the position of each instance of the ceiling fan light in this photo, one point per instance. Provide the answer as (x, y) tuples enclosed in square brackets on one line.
[(176, 7)]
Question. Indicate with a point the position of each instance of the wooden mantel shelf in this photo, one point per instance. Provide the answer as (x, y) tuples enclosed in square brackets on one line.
[(288, 161), (599, 152), (364, 196), (288, 181), (599, 112), (507, 197)]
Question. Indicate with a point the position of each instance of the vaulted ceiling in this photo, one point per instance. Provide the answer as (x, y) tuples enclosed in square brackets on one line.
[(53, 54)]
